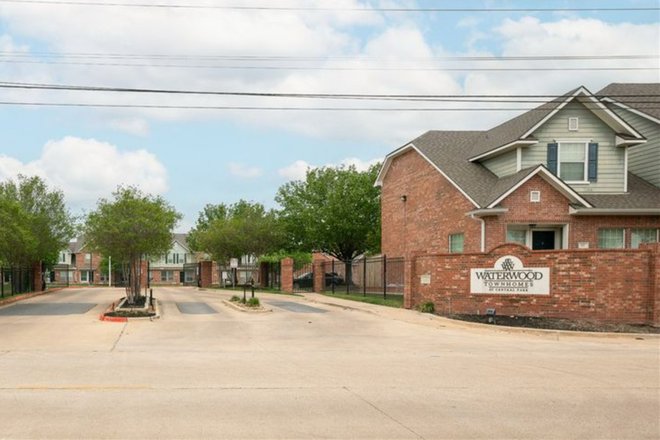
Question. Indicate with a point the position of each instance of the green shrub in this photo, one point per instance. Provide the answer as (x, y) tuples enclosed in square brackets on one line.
[(253, 302), (427, 307), (236, 299)]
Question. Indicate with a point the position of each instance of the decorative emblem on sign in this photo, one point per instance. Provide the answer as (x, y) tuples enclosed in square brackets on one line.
[(508, 264), (510, 277)]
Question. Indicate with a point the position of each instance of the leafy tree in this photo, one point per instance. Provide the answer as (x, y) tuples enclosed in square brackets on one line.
[(245, 229), (36, 224), (129, 228), (208, 214), (334, 210), (17, 245)]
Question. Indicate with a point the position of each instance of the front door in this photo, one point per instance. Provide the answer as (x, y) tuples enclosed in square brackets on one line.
[(543, 240)]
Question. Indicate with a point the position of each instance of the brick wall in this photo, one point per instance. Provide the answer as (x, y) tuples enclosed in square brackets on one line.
[(554, 210), (614, 286), (433, 209)]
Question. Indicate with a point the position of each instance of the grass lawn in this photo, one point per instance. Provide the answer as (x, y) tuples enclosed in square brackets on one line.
[(371, 298)]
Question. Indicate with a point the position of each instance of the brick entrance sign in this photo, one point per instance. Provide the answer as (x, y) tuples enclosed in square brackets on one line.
[(604, 285)]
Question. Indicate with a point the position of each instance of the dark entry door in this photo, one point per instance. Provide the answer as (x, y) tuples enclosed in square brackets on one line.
[(543, 240)]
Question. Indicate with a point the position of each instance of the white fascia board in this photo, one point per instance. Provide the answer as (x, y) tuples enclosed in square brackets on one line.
[(632, 110), (394, 154), (504, 148), (486, 212), (604, 113), (605, 211), (557, 183), (180, 244), (620, 142)]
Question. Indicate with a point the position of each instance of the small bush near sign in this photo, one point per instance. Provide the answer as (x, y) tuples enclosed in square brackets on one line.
[(427, 307)]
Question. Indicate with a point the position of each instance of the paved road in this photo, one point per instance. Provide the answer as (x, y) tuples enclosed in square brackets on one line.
[(299, 373)]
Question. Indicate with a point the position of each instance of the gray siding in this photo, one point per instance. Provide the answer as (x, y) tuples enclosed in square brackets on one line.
[(611, 159), (644, 160), (502, 165)]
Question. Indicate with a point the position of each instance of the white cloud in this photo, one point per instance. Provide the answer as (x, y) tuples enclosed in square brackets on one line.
[(87, 169), (298, 169), (346, 34), (242, 170)]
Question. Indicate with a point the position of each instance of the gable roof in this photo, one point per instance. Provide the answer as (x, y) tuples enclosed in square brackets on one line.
[(182, 239), (520, 128), (642, 97)]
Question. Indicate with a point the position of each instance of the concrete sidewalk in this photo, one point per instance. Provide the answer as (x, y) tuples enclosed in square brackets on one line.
[(429, 320)]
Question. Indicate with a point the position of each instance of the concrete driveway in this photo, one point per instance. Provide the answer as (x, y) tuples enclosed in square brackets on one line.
[(307, 372)]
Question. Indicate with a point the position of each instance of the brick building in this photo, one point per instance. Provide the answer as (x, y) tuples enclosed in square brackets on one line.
[(579, 172)]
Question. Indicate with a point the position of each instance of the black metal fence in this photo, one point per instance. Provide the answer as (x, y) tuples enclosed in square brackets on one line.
[(272, 273), (303, 277), (375, 275), (191, 274), (15, 280)]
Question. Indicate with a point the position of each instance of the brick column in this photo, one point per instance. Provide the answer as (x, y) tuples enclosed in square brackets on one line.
[(319, 276), (408, 280), (654, 279), (286, 275), (36, 276), (206, 274)]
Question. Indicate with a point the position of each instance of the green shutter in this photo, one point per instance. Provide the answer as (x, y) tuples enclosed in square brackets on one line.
[(552, 157), (593, 162)]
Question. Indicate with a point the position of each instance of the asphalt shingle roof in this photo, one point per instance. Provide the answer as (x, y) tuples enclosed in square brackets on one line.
[(641, 195), (450, 151), (644, 97)]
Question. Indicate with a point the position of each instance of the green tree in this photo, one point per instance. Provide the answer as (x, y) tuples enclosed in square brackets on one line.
[(37, 223), (245, 229), (334, 210), (129, 228), (208, 214)]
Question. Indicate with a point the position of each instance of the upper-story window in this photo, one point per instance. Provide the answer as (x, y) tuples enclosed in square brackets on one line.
[(572, 163), (88, 257)]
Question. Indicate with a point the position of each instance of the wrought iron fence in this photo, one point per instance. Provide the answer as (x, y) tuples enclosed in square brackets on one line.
[(272, 273), (374, 275), (15, 280), (303, 276), (242, 275), (191, 274)]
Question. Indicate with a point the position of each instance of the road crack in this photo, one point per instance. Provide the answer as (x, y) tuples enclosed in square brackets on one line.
[(119, 337), (383, 412)]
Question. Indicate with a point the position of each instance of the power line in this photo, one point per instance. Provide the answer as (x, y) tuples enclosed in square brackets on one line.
[(341, 69), (499, 99), (257, 108), (98, 55), (326, 9)]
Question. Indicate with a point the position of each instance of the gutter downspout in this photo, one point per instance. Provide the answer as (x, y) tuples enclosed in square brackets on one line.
[(483, 232)]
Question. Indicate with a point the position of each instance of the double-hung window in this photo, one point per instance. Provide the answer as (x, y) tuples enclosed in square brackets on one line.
[(84, 276), (456, 242), (572, 163), (166, 275), (638, 236), (611, 238), (516, 236)]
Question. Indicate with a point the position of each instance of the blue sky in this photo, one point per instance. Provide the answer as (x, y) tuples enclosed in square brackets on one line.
[(198, 157)]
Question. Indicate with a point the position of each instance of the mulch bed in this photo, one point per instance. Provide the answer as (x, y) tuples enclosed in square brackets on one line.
[(558, 324)]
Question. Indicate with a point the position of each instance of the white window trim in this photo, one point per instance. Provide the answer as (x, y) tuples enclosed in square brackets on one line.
[(531, 196), (586, 161), (577, 123)]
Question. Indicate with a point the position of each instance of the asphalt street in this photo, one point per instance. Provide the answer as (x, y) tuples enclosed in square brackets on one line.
[(307, 370)]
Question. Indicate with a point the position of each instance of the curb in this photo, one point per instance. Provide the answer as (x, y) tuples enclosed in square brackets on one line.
[(111, 307), (21, 297), (245, 310), (507, 329)]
